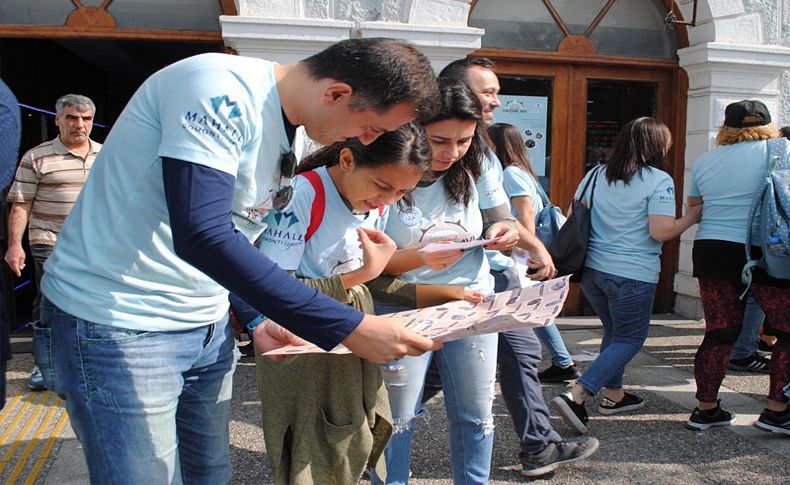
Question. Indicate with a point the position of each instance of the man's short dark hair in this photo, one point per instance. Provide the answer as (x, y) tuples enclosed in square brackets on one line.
[(382, 73), (785, 131), (458, 69)]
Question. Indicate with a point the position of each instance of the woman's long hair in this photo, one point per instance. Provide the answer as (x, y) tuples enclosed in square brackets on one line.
[(458, 102), (406, 146), (509, 147), (641, 143)]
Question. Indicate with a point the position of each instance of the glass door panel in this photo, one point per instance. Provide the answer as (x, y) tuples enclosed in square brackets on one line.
[(527, 104), (610, 105)]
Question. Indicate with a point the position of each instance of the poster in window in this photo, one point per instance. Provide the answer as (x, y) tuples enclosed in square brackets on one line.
[(528, 114)]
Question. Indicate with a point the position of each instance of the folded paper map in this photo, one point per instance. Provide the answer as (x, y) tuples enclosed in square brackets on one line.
[(535, 306)]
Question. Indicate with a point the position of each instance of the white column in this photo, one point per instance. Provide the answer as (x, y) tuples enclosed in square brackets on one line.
[(290, 30), (719, 74)]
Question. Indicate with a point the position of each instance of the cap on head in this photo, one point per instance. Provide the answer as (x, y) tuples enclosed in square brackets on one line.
[(736, 114)]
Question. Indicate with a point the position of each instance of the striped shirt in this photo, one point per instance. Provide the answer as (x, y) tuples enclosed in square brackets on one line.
[(50, 177)]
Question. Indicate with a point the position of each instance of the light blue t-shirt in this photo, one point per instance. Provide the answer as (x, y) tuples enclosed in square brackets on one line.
[(333, 248), (435, 217), (491, 163), (114, 262), (728, 179), (620, 241), (519, 183)]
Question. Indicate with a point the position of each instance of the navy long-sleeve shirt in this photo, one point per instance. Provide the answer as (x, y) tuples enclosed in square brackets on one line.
[(199, 202)]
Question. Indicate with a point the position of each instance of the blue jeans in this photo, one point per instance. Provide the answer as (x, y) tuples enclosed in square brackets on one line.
[(467, 368), (753, 318), (551, 339), (624, 307), (148, 407)]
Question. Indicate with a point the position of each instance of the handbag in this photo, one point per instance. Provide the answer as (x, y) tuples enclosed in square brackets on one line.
[(549, 220), (569, 247)]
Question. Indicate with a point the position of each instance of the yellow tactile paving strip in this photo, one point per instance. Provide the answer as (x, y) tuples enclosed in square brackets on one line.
[(31, 424)]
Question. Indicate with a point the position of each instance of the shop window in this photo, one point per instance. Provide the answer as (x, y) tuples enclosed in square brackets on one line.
[(633, 28), (192, 15)]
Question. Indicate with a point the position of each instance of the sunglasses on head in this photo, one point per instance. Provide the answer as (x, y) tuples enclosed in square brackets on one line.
[(287, 171)]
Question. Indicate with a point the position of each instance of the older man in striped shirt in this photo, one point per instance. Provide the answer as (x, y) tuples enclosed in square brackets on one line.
[(47, 183)]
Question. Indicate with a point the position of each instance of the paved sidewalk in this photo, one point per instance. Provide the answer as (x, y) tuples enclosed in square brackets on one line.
[(649, 446)]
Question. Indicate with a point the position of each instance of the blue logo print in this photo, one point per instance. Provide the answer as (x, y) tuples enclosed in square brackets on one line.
[(671, 190), (290, 216), (218, 101)]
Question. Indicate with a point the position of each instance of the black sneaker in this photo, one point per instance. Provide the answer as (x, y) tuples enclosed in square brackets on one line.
[(574, 415), (702, 420), (556, 374), (556, 454), (774, 422), (753, 363), (629, 402)]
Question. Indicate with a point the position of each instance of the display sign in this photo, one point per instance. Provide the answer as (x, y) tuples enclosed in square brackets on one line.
[(529, 115)]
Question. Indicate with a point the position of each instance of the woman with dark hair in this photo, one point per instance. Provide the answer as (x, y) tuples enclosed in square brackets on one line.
[(526, 200), (447, 206), (726, 180), (330, 237), (633, 211)]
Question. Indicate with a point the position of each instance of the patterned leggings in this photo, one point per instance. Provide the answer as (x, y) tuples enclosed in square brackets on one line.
[(723, 321)]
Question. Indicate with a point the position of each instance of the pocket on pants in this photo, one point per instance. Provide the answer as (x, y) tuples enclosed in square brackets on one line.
[(42, 351)]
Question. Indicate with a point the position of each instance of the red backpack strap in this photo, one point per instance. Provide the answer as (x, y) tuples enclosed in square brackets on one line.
[(319, 203)]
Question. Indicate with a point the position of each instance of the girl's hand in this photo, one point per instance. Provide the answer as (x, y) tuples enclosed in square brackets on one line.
[(473, 296), (506, 234), (377, 249), (439, 260)]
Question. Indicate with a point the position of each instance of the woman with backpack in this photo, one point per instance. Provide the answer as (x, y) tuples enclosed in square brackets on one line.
[(527, 201), (726, 180), (632, 205)]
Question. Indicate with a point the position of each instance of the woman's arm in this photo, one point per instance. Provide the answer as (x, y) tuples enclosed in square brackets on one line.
[(665, 228), (526, 212)]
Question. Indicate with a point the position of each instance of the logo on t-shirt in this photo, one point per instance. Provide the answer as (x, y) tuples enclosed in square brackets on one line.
[(218, 101), (279, 234), (290, 217), (669, 196)]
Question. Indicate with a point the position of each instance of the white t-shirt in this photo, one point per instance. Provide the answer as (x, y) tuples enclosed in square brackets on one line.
[(114, 263), (435, 217), (333, 248)]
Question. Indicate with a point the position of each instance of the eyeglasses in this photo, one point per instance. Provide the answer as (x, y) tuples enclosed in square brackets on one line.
[(287, 171)]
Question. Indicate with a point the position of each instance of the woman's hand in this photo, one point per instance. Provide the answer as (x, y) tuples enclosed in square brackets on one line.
[(540, 265), (506, 235), (441, 259), (473, 296), (694, 212)]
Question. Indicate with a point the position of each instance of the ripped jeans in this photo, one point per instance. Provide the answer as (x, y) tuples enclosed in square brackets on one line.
[(467, 368)]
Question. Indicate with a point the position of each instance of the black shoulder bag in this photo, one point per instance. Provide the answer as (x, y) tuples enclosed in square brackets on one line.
[(568, 249)]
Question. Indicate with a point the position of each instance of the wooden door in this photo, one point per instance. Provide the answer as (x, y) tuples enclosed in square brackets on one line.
[(576, 131)]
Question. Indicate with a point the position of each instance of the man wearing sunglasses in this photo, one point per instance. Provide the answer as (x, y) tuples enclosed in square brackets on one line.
[(134, 332)]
